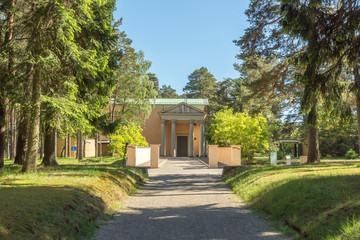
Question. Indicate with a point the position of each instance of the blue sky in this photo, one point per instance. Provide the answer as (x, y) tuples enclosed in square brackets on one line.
[(181, 36)]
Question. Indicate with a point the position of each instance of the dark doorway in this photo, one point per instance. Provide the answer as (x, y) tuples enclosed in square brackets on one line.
[(182, 146)]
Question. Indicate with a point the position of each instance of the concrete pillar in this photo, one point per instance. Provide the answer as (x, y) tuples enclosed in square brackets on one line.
[(236, 155), (163, 138), (202, 139), (154, 159), (191, 138), (173, 138), (213, 156), (131, 152)]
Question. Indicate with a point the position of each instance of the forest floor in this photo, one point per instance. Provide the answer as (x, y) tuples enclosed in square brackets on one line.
[(64, 201), (318, 201)]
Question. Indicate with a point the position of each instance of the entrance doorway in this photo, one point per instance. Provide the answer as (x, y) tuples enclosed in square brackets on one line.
[(182, 146)]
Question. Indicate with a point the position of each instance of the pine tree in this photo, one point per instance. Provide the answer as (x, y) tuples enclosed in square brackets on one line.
[(166, 91)]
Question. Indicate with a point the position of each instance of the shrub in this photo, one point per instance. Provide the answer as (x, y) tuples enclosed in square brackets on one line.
[(351, 154), (229, 128), (130, 134), (281, 155)]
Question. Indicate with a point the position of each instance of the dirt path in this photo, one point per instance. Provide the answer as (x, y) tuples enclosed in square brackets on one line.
[(186, 200)]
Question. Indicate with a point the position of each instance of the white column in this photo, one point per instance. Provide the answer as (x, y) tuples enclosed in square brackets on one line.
[(173, 138), (163, 138), (202, 138), (191, 138)]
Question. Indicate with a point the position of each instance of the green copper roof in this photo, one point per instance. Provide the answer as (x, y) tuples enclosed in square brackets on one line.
[(174, 101)]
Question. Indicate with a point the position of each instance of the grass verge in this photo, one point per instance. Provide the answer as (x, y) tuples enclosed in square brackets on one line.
[(62, 202), (316, 201)]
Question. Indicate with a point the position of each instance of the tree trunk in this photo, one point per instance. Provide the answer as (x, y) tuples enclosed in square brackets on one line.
[(21, 140), (2, 131), (80, 146), (69, 145), (313, 153), (12, 134), (357, 92), (96, 145), (30, 164), (49, 147), (4, 78)]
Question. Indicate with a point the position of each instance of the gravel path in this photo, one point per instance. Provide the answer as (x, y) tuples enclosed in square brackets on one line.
[(185, 200)]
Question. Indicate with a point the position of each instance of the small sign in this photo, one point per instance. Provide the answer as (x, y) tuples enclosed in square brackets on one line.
[(288, 159), (273, 158), (73, 149)]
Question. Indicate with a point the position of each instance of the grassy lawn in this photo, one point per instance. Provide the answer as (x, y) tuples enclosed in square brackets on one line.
[(312, 201), (62, 202)]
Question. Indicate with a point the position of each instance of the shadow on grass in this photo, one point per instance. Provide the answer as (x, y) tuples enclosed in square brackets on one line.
[(314, 206), (44, 212)]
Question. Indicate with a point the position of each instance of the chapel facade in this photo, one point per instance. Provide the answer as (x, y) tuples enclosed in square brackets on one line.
[(178, 126)]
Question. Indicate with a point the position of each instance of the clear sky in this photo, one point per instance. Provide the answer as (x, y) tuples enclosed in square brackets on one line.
[(183, 35)]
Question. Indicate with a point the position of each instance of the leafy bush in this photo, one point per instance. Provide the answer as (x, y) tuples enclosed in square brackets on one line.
[(281, 155), (130, 134), (351, 154), (229, 128)]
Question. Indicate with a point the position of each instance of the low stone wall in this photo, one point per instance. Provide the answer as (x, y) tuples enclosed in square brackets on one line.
[(224, 156), (230, 156), (139, 155)]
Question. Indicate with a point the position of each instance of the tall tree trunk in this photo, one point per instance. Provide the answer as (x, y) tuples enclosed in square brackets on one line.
[(21, 139), (69, 146), (80, 146), (357, 92), (49, 147), (313, 153), (96, 145), (66, 145), (12, 134), (7, 133), (4, 77), (2, 131), (30, 164)]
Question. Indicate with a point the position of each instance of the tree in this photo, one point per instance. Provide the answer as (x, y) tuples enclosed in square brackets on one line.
[(152, 77), (133, 89), (55, 56), (6, 49), (201, 84), (126, 134), (229, 128), (166, 91)]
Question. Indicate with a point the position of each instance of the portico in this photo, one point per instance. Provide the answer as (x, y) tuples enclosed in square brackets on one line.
[(182, 130), (178, 126)]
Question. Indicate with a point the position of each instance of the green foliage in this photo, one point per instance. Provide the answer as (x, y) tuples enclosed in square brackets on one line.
[(133, 89), (166, 91), (228, 128), (336, 136), (130, 134), (281, 155), (351, 154)]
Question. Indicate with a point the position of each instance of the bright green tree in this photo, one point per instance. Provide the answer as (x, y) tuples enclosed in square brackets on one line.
[(126, 134), (229, 128)]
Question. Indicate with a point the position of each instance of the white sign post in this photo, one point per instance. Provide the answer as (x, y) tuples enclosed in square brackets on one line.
[(273, 158), (288, 159)]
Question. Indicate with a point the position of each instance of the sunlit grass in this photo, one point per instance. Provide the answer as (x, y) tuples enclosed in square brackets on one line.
[(316, 201), (62, 202)]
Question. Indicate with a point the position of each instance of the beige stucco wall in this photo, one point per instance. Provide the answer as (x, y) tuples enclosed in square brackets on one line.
[(142, 155), (152, 127), (224, 155), (90, 147)]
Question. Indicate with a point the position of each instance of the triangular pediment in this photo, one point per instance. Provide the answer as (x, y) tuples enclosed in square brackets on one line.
[(182, 108)]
